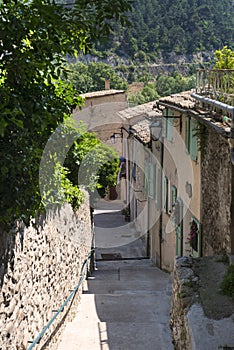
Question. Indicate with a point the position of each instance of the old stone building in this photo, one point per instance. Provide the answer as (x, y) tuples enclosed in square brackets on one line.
[(100, 115), (180, 175)]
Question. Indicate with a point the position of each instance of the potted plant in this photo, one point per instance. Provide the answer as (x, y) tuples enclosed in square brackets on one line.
[(126, 213)]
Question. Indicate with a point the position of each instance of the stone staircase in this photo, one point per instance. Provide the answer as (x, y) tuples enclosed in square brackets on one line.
[(125, 305)]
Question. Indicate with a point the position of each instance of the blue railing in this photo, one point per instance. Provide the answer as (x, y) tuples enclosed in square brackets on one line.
[(82, 276)]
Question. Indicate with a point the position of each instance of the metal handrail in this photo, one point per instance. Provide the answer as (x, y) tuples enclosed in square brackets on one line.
[(84, 271)]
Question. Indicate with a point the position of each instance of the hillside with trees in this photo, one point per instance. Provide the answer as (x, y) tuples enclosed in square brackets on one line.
[(165, 43), (180, 26)]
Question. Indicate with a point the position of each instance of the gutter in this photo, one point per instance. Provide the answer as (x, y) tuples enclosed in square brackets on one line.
[(224, 107)]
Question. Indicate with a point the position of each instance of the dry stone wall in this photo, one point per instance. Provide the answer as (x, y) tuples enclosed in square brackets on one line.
[(184, 287), (216, 194), (43, 266), (201, 316)]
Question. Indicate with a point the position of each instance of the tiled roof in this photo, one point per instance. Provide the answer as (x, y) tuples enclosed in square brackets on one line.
[(206, 116), (145, 111), (102, 93), (181, 100), (142, 129)]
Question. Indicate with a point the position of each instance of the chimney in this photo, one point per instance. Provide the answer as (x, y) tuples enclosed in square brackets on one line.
[(107, 84)]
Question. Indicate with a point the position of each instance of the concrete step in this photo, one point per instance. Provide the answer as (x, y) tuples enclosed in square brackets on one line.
[(117, 336), (124, 306)]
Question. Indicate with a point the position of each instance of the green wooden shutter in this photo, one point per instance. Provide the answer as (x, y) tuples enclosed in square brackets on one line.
[(179, 227), (187, 134), (164, 123), (193, 140), (164, 127), (173, 201), (170, 128), (159, 190), (165, 194), (151, 180), (170, 124)]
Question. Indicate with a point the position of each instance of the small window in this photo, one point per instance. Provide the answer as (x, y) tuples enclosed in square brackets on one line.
[(195, 237), (173, 196)]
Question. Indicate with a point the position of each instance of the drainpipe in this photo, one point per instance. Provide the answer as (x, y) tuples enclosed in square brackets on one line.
[(229, 109)]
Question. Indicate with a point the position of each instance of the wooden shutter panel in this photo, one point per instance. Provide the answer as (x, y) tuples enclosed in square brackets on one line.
[(159, 190), (151, 180), (170, 128), (165, 194), (164, 127), (193, 139), (187, 134)]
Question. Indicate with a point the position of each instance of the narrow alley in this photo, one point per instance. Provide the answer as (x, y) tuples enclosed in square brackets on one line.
[(125, 304)]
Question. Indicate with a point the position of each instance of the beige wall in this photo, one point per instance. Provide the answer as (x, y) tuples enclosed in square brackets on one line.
[(100, 114), (179, 169)]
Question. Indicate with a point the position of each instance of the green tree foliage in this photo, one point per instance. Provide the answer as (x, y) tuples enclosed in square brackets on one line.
[(163, 86), (93, 164), (147, 94), (181, 26), (174, 83), (35, 36), (91, 77), (224, 58)]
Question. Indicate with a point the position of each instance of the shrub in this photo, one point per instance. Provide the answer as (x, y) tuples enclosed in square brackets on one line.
[(227, 285)]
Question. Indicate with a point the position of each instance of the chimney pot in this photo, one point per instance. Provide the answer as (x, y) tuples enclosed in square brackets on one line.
[(107, 84)]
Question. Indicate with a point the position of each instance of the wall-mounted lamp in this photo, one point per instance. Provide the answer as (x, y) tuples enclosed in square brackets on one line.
[(156, 130), (114, 137)]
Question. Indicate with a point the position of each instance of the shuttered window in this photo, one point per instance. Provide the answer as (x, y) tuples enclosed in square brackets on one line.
[(152, 172), (191, 138), (159, 190), (196, 240), (173, 195), (168, 124)]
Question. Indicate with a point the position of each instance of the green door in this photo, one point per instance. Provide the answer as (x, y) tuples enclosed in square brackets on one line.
[(179, 226)]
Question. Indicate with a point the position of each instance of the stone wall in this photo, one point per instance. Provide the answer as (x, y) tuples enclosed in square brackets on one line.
[(215, 194), (201, 316), (184, 287), (43, 266)]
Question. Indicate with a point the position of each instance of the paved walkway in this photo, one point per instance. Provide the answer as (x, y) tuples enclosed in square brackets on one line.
[(126, 303)]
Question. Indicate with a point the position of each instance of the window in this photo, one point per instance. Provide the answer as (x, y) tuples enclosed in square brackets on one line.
[(173, 202), (195, 237), (152, 172), (165, 194), (159, 190), (191, 138), (167, 124), (173, 196), (134, 171)]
